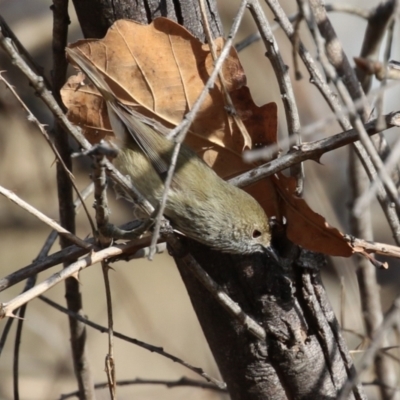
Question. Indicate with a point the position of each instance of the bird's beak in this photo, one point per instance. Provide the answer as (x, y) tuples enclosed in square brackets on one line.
[(271, 252)]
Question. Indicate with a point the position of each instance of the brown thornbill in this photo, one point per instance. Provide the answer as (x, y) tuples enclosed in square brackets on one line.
[(200, 204)]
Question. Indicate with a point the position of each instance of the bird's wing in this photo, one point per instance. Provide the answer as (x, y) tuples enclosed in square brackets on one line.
[(124, 119)]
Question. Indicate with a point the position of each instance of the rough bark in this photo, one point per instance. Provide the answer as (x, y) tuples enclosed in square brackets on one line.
[(96, 16), (304, 355)]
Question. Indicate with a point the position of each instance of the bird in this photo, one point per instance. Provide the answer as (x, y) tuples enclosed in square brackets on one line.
[(200, 204)]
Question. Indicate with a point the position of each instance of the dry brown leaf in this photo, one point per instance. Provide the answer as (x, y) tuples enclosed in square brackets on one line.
[(307, 228), (161, 69), (86, 108)]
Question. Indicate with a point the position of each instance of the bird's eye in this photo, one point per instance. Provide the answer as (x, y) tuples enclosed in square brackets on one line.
[(256, 234)]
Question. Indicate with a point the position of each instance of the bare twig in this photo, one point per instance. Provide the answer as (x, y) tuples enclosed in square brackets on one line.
[(369, 287), (66, 255), (285, 85), (33, 273), (65, 200), (389, 42), (375, 247), (149, 347), (163, 202), (369, 355), (378, 20), (167, 383), (7, 31), (70, 254), (382, 71), (180, 131), (229, 106), (29, 284), (309, 151), (7, 309), (100, 196), (330, 7), (21, 312), (313, 129), (50, 222), (109, 361), (217, 292), (38, 84), (183, 127), (102, 211), (32, 118)]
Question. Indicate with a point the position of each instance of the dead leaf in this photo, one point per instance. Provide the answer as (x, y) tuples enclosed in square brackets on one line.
[(86, 109), (307, 228), (160, 69)]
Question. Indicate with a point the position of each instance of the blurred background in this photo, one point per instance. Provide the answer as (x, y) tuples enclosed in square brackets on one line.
[(150, 301)]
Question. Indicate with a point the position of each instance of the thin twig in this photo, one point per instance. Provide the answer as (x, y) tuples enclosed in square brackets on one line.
[(168, 383), (21, 312), (389, 42), (330, 7), (313, 129), (374, 247), (295, 46), (378, 19), (229, 106), (21, 315), (32, 277), (43, 253), (180, 131), (7, 31), (31, 118), (38, 84), (109, 361), (50, 222), (149, 347), (369, 355), (183, 127), (282, 74), (369, 287), (71, 254), (310, 151), (100, 196), (102, 212), (163, 202), (217, 292), (7, 309)]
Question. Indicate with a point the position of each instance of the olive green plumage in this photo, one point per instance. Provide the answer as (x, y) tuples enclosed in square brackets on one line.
[(200, 204)]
